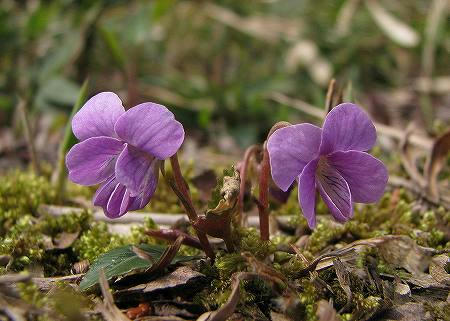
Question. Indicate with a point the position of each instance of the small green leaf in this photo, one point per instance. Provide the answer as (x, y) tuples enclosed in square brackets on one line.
[(123, 260)]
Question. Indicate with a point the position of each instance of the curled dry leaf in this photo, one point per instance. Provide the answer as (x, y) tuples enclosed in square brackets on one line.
[(80, 267), (344, 281), (439, 152), (326, 312), (226, 310), (409, 161), (178, 279), (403, 252), (61, 241), (217, 221), (439, 266)]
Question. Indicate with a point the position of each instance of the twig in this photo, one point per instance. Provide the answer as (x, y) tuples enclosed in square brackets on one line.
[(28, 136)]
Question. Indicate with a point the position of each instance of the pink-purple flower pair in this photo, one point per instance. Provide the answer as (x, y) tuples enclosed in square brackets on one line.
[(331, 159), (121, 150)]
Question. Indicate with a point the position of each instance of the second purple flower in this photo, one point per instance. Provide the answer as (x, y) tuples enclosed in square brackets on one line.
[(331, 159), (121, 150)]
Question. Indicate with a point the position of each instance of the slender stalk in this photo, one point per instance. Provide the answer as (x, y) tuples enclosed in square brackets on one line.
[(263, 203), (28, 136), (189, 206), (243, 174)]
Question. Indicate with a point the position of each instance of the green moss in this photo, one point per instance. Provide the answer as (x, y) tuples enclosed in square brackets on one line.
[(95, 241), (249, 240), (55, 302), (20, 195), (227, 264), (323, 234)]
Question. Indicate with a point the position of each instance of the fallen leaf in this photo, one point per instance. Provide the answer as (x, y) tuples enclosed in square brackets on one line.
[(179, 278), (217, 221), (123, 260), (435, 162), (344, 281), (410, 311), (326, 312), (64, 240), (439, 266), (403, 252)]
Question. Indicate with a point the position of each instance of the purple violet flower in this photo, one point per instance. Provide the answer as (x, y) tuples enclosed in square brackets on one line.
[(331, 159), (121, 150)]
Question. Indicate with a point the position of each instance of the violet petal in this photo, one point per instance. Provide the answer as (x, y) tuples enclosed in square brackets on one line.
[(335, 191), (307, 192), (290, 149), (92, 161), (151, 128), (136, 170), (98, 116), (347, 127), (366, 176), (103, 193)]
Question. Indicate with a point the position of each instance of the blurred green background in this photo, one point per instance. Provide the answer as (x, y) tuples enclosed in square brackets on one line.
[(218, 64)]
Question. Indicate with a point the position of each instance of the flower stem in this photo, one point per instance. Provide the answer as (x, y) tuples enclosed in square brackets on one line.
[(240, 219), (188, 205), (263, 203)]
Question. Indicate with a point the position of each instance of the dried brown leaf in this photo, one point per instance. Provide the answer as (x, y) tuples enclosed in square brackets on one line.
[(64, 240), (408, 160), (344, 281), (217, 221), (179, 278), (326, 312), (438, 155), (403, 252), (439, 266)]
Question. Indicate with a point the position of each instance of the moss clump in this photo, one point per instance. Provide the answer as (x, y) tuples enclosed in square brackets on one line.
[(325, 233), (249, 240), (96, 241), (54, 303), (20, 195)]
